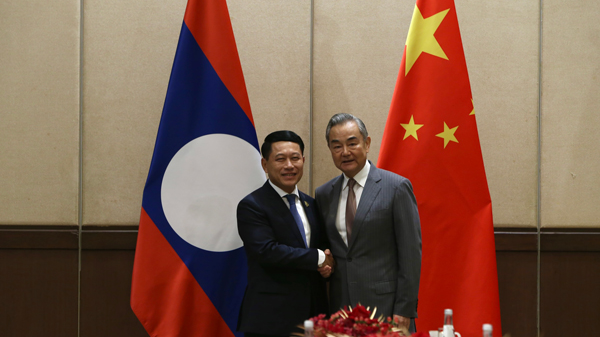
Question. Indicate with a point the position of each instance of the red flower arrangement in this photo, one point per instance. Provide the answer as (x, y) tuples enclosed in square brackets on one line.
[(358, 322)]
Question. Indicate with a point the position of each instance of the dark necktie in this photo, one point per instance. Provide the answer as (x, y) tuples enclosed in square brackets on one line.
[(292, 201), (350, 208)]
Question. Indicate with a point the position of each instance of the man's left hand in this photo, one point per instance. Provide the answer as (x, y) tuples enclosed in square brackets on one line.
[(403, 322)]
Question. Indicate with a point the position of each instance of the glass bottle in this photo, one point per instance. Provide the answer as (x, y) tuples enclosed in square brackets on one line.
[(308, 328), (487, 330), (448, 329), (448, 317)]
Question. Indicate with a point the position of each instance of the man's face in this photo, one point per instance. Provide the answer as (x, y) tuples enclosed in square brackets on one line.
[(348, 148), (284, 165)]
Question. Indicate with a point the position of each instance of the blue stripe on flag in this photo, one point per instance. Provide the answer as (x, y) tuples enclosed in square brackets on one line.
[(198, 104)]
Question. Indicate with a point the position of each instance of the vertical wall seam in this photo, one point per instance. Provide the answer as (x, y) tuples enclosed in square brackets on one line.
[(80, 179), (310, 117), (539, 171)]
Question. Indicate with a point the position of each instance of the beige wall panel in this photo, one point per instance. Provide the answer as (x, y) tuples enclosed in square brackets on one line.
[(570, 119), (273, 41), (39, 111), (358, 47), (128, 53), (501, 43)]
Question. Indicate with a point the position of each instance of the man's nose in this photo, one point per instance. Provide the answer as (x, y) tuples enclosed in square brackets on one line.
[(345, 151)]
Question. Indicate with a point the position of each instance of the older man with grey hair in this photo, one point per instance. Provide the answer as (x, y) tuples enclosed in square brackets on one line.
[(373, 228)]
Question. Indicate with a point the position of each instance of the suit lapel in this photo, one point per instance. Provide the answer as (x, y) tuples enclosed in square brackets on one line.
[(281, 209), (367, 198), (334, 201), (311, 219)]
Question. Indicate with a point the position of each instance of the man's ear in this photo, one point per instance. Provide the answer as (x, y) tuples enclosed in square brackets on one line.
[(263, 162)]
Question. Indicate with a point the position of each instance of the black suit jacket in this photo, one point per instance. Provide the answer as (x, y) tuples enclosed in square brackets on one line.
[(284, 286)]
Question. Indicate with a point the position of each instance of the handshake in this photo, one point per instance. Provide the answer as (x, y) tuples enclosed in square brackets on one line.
[(327, 267)]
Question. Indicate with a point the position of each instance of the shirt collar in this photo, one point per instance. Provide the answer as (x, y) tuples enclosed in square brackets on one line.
[(360, 177), (283, 193)]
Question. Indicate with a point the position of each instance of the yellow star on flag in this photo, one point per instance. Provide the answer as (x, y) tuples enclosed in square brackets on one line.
[(420, 37), (411, 128), (472, 112), (448, 134)]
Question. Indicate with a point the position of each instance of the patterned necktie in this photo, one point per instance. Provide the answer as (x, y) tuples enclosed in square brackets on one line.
[(292, 201), (350, 208)]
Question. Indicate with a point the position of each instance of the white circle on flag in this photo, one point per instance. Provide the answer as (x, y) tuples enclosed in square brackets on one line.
[(202, 186)]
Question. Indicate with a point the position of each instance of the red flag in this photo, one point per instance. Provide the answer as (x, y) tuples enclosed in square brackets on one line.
[(431, 138), (189, 274)]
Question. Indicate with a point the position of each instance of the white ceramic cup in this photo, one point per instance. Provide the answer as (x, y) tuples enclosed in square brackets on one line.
[(448, 331), (444, 335)]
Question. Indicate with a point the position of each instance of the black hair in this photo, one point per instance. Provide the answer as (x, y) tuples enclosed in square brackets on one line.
[(280, 136)]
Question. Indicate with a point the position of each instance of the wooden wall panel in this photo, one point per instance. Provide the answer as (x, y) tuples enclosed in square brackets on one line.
[(39, 282), (38, 292), (105, 291), (106, 266), (570, 284), (516, 256), (517, 282)]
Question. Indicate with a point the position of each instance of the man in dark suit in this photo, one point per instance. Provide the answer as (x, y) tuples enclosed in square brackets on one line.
[(373, 227), (284, 244)]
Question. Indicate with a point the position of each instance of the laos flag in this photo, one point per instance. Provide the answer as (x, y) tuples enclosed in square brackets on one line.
[(189, 274)]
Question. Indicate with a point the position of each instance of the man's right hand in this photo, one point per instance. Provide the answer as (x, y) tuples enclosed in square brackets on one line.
[(328, 265)]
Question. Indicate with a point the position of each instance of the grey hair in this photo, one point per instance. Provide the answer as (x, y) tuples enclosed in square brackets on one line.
[(342, 118)]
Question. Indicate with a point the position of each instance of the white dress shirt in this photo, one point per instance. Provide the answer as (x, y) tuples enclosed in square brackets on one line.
[(361, 179)]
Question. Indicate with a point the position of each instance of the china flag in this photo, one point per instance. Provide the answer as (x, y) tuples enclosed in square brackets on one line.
[(431, 138)]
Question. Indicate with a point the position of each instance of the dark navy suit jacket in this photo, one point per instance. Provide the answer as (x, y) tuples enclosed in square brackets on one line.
[(284, 286)]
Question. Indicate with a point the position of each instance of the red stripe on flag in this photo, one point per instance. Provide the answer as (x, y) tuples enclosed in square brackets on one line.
[(210, 25), (164, 295)]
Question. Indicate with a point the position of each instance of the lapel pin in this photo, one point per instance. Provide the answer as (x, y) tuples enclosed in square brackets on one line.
[(306, 203)]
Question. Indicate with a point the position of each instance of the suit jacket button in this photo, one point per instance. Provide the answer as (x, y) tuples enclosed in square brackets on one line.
[(349, 259)]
